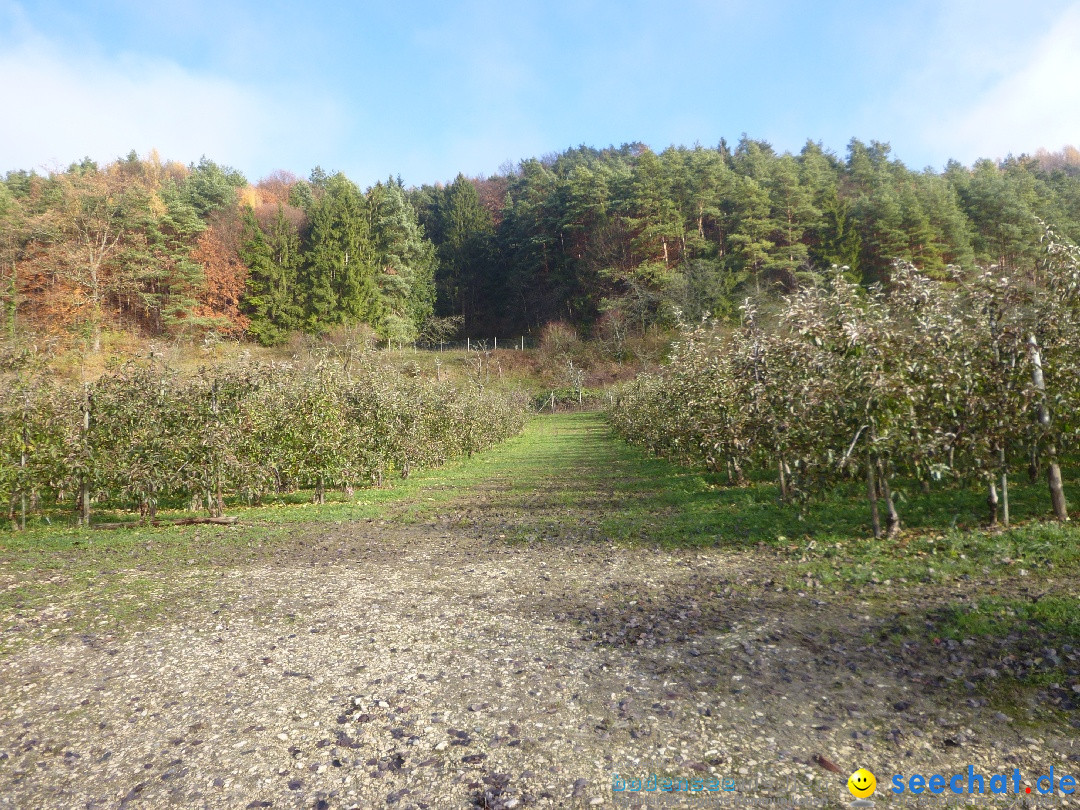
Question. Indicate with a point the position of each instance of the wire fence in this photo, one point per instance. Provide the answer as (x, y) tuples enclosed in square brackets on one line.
[(469, 344)]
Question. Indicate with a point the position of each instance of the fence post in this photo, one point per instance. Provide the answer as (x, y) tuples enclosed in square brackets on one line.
[(496, 344), (468, 345), (523, 343)]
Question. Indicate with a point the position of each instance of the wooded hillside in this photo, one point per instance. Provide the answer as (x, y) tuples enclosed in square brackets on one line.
[(610, 240)]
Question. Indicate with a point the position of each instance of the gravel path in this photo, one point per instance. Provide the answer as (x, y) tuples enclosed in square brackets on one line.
[(433, 665)]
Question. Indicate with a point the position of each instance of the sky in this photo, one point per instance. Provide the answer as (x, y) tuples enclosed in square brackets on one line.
[(423, 89)]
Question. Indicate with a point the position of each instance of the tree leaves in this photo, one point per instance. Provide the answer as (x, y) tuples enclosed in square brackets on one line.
[(925, 379), (248, 431)]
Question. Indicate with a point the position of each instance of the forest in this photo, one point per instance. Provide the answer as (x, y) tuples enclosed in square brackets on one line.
[(610, 241)]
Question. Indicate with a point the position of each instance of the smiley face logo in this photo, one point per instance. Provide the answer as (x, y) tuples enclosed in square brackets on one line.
[(862, 784)]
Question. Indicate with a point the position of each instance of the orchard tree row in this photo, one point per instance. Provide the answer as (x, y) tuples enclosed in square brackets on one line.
[(965, 377), (142, 437), (611, 240)]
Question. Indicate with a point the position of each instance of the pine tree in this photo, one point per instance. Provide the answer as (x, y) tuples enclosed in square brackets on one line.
[(175, 232), (273, 298), (794, 215), (837, 241), (465, 249), (405, 261), (752, 248), (339, 267)]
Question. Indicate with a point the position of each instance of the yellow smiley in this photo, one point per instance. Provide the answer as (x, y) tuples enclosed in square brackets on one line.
[(862, 783)]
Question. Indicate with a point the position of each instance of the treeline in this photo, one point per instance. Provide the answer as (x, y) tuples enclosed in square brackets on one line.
[(968, 378), (142, 437), (169, 249), (609, 240), (618, 239)]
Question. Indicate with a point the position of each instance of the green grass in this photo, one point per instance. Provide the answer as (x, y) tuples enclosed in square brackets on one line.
[(1031, 641), (572, 463), (1056, 616)]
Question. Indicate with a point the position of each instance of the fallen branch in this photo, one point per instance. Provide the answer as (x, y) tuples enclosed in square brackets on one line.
[(220, 521)]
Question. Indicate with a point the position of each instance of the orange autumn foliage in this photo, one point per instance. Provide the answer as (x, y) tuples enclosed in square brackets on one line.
[(225, 277), (46, 298), (276, 186)]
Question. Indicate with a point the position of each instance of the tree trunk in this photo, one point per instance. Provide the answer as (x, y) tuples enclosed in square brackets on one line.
[(1057, 490), (1005, 499), (871, 491), (892, 519), (783, 481), (992, 502), (740, 478), (84, 483), (1053, 471), (84, 503), (1004, 487)]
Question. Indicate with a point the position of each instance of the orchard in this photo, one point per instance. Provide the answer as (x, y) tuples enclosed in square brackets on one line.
[(141, 437), (965, 378)]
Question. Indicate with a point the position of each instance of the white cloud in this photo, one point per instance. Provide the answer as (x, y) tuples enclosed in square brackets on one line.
[(61, 104), (1035, 105)]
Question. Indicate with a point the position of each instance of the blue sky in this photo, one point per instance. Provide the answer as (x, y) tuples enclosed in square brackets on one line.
[(427, 89)]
